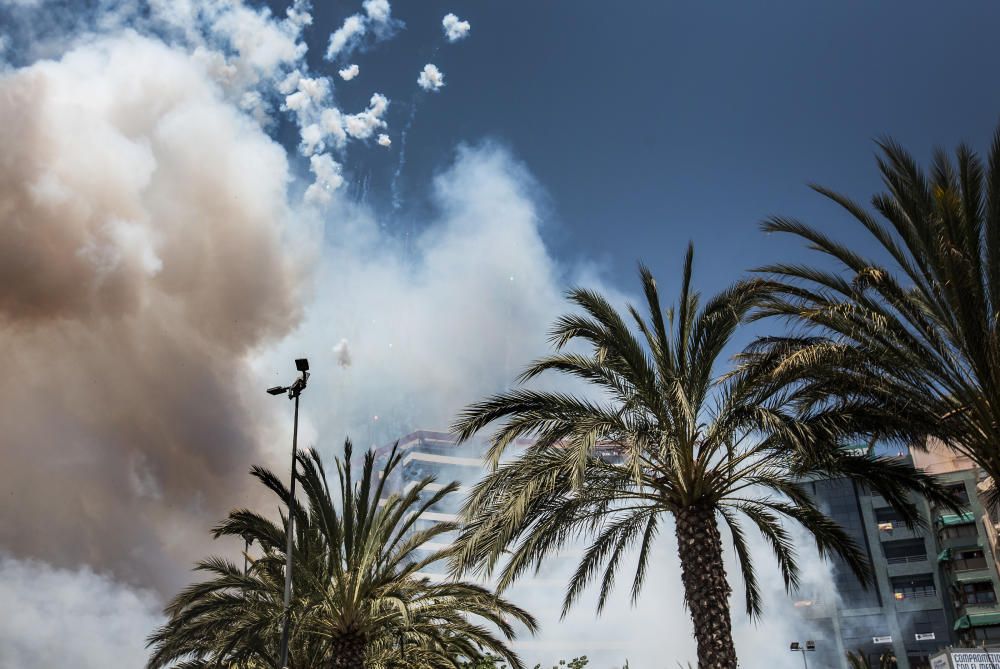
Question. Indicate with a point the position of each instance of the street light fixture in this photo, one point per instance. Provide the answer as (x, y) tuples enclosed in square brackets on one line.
[(797, 647), (294, 390)]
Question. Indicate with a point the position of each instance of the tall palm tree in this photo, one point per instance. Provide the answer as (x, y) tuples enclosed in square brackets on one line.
[(696, 445), (909, 328), (359, 599)]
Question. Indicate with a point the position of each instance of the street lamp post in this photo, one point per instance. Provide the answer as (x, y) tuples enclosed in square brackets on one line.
[(293, 391), (797, 647)]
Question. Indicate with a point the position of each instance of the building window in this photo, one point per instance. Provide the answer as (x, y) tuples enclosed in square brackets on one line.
[(959, 491), (905, 550), (959, 531), (986, 633), (981, 592), (909, 587), (965, 560), (888, 515)]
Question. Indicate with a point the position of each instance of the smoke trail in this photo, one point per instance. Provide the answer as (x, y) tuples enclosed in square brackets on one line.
[(415, 99), (397, 198)]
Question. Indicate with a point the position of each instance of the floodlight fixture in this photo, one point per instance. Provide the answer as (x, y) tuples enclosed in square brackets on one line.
[(294, 391), (797, 647)]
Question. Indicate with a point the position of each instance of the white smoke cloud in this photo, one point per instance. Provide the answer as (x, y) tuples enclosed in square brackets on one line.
[(346, 37), (363, 124), (342, 353), (308, 91), (383, 140), (377, 10), (350, 35), (57, 617), (349, 72), (332, 124), (431, 78), (328, 179), (452, 316), (454, 29)]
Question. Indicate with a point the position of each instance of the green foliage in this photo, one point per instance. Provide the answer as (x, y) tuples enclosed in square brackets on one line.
[(688, 433), (858, 660), (358, 591), (907, 335), (575, 663), (493, 662), (690, 436)]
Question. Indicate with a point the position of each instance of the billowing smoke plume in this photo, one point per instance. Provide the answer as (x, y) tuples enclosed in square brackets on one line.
[(455, 315), (142, 260), (78, 618)]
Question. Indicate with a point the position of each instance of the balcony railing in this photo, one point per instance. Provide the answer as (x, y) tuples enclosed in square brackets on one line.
[(915, 594), (906, 559)]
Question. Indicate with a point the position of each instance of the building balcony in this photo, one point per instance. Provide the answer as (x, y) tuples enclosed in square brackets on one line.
[(971, 564), (959, 541), (928, 602), (972, 575), (896, 531), (901, 567)]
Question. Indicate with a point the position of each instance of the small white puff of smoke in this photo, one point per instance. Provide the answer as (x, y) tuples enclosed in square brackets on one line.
[(342, 353), (377, 10), (454, 29), (349, 72), (431, 78), (383, 140)]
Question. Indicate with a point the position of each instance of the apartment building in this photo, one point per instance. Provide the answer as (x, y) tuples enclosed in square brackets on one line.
[(935, 585)]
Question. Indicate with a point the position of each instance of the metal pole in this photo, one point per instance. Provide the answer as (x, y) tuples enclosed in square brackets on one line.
[(283, 654), (805, 662)]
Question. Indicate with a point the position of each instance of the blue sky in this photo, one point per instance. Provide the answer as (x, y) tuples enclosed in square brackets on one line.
[(662, 122)]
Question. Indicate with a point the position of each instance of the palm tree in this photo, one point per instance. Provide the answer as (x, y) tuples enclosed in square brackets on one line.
[(910, 329), (695, 445), (858, 660), (359, 600)]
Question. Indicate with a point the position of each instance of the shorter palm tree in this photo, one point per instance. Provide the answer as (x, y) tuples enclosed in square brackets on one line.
[(858, 660), (360, 599)]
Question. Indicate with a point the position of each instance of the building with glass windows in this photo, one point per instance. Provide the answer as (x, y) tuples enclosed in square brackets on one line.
[(935, 585)]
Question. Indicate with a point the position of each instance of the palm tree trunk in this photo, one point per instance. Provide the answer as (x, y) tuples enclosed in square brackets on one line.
[(706, 590), (349, 652)]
